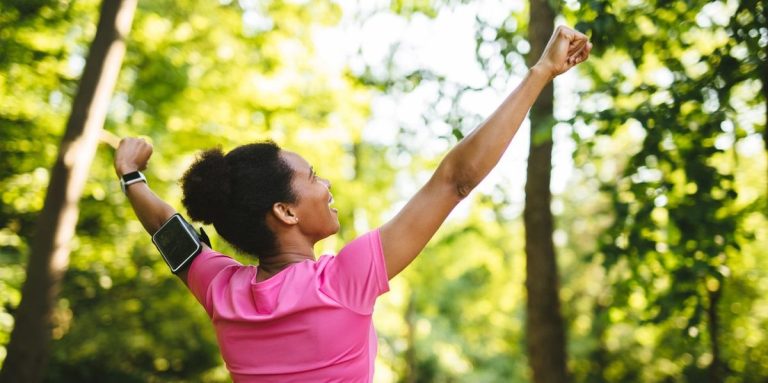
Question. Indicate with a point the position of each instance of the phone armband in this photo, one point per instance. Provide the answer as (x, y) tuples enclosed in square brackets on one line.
[(177, 242)]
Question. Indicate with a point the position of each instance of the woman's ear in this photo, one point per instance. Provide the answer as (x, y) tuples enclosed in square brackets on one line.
[(284, 213)]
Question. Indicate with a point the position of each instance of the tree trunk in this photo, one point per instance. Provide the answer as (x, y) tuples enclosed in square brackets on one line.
[(716, 371), (599, 356), (28, 348), (545, 333)]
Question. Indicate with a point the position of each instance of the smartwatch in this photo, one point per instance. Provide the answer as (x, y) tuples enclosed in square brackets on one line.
[(131, 178)]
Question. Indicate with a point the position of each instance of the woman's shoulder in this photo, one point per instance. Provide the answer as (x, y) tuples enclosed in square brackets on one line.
[(207, 265)]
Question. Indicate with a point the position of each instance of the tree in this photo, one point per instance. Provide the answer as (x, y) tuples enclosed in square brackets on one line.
[(545, 329), (49, 256)]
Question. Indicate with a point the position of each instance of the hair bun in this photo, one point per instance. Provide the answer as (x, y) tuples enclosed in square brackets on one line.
[(206, 186)]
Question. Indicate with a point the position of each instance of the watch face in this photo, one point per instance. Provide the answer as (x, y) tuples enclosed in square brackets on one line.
[(128, 177)]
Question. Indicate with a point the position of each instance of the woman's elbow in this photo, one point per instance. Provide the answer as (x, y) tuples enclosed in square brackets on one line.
[(463, 188), (461, 179)]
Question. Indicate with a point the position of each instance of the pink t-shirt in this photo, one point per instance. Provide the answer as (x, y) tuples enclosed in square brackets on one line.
[(309, 323)]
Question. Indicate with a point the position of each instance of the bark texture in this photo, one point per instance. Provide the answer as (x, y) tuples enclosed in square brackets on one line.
[(545, 333)]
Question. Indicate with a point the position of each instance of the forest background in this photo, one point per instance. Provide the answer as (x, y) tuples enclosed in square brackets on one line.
[(659, 178)]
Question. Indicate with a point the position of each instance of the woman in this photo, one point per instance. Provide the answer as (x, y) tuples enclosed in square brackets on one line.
[(294, 317)]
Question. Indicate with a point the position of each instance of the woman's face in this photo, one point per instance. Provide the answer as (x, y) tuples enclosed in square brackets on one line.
[(316, 218)]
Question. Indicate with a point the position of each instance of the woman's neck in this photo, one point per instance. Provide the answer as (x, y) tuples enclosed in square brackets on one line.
[(269, 266)]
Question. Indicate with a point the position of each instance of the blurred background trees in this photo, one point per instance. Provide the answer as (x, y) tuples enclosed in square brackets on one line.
[(688, 97), (28, 348), (659, 177)]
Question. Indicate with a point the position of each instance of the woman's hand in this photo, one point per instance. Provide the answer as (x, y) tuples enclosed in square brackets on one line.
[(565, 49), (132, 154)]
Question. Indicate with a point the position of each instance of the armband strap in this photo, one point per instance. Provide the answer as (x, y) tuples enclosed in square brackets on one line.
[(204, 237)]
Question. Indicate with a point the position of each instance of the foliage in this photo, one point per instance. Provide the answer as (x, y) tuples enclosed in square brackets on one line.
[(677, 86)]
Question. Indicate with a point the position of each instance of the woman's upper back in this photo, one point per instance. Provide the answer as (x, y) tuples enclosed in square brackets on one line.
[(310, 321)]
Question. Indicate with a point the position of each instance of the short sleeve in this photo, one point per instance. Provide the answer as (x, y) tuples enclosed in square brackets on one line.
[(357, 275), (203, 269)]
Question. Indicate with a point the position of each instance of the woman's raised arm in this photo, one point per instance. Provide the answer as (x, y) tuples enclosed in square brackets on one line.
[(473, 157), (132, 155)]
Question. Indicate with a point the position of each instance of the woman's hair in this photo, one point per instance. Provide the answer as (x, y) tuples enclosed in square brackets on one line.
[(234, 192)]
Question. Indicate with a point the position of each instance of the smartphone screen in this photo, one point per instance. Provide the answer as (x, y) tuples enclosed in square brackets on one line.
[(176, 242)]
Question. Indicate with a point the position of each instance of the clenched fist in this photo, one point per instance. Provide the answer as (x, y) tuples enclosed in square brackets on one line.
[(132, 154), (565, 49)]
